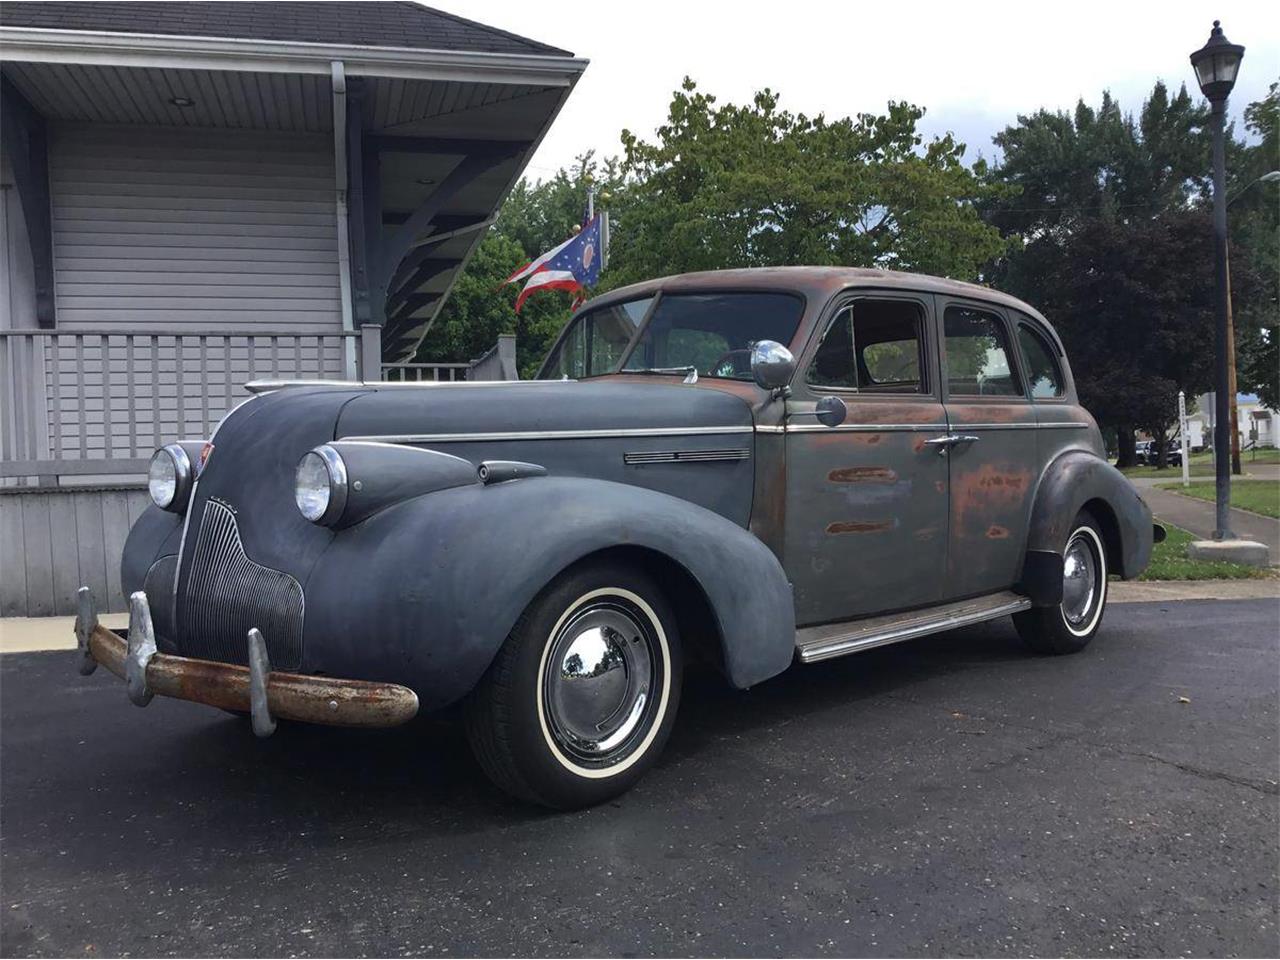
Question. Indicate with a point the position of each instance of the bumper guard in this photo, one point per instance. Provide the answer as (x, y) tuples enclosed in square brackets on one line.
[(264, 694)]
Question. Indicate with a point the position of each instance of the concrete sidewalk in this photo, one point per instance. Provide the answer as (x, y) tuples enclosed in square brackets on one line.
[(34, 634), (1197, 516)]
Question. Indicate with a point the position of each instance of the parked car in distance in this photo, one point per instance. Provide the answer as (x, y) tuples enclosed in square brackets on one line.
[(753, 468), (1146, 452)]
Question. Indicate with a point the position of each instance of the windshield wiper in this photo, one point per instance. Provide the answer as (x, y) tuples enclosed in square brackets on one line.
[(690, 372)]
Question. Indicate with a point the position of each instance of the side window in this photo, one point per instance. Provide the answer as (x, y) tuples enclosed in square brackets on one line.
[(873, 346), (978, 355), (1043, 373)]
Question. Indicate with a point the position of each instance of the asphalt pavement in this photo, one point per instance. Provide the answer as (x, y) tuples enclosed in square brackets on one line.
[(952, 795)]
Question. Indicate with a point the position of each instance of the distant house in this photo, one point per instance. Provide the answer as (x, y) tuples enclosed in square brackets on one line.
[(1256, 423), (193, 195)]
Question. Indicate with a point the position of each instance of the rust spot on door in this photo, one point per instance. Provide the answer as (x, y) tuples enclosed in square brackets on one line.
[(859, 526), (997, 532), (863, 475)]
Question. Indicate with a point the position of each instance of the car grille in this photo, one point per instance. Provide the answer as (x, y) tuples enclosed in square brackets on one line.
[(227, 594)]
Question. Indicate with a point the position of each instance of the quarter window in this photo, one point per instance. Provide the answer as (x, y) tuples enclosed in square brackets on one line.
[(873, 346), (978, 355), (1043, 373)]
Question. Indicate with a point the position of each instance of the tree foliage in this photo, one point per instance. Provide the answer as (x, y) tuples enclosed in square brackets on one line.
[(1109, 222), (731, 186), (748, 185), (1255, 253)]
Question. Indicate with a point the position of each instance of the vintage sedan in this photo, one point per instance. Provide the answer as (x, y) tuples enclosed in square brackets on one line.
[(754, 468)]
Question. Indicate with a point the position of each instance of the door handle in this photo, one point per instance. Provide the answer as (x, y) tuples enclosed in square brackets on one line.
[(942, 443), (945, 443)]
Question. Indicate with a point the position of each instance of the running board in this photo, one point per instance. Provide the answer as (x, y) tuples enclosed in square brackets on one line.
[(838, 639)]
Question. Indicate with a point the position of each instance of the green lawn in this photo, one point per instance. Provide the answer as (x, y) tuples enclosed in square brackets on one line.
[(1169, 561), (1259, 496), (1202, 464)]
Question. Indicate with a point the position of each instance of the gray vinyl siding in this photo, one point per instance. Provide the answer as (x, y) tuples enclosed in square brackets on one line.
[(205, 232), (53, 542), (207, 228)]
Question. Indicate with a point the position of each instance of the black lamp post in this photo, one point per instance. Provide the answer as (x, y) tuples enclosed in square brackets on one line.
[(1216, 65)]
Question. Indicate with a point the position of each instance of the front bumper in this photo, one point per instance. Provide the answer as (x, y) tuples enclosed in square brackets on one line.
[(264, 694)]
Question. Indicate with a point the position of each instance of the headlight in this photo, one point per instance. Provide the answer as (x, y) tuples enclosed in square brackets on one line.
[(320, 485), (169, 478)]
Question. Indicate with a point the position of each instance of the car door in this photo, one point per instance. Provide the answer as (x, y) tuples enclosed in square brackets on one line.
[(866, 501), (993, 461)]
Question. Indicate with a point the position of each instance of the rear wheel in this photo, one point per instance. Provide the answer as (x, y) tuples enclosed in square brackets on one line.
[(1071, 624), (583, 694)]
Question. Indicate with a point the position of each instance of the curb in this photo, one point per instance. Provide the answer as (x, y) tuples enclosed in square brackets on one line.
[(1150, 591)]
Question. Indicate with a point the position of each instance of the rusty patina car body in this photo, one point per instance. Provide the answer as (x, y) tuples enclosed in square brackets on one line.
[(753, 467)]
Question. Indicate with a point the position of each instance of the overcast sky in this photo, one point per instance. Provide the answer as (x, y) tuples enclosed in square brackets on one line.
[(972, 74)]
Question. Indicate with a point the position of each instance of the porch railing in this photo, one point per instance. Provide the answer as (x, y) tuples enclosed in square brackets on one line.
[(94, 405)]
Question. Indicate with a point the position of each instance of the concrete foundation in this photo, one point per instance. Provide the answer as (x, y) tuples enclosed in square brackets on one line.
[(1248, 552)]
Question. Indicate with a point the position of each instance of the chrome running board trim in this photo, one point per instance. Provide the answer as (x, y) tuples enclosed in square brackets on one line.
[(837, 639)]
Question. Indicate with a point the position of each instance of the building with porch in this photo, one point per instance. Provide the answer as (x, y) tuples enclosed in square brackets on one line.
[(196, 195)]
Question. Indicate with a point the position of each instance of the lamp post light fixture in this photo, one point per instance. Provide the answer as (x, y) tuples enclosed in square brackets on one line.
[(1216, 65)]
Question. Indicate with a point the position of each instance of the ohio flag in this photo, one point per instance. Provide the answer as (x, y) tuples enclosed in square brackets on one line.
[(574, 265)]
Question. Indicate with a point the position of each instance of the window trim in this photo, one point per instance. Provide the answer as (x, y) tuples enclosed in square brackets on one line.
[(1013, 354), (1054, 356), (849, 298)]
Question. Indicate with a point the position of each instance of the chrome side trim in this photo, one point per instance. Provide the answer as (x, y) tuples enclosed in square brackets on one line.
[(548, 434), (840, 639), (683, 456), (916, 427), (860, 428)]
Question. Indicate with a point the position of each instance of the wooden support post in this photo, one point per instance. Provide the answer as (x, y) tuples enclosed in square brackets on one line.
[(22, 129), (370, 352)]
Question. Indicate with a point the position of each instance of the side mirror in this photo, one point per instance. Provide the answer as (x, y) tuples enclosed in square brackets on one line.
[(831, 411), (772, 365)]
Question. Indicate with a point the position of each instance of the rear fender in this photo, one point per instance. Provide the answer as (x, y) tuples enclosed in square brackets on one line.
[(1070, 482), (426, 591)]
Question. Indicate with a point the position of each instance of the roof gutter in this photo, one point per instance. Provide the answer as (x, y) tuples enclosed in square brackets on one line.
[(95, 48)]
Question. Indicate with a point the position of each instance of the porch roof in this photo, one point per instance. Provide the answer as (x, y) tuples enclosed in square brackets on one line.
[(392, 24), (433, 117)]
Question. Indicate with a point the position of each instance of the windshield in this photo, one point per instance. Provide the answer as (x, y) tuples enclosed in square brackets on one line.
[(713, 333), (596, 341)]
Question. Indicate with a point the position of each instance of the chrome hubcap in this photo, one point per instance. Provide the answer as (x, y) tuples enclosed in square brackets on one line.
[(1079, 580), (597, 687)]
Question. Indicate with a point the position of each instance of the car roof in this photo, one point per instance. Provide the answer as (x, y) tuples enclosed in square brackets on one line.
[(817, 283)]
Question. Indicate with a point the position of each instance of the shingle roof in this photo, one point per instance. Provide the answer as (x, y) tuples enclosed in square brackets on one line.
[(373, 24)]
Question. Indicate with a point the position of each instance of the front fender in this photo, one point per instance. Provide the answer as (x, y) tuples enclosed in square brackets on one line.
[(425, 592), (1077, 478)]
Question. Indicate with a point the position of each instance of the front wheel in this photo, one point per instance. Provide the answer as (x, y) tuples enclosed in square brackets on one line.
[(582, 697), (1070, 625)]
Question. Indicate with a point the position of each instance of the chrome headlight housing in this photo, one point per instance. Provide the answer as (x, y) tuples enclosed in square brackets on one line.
[(320, 485), (169, 478)]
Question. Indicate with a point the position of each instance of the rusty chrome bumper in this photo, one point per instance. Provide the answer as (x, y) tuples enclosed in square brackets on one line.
[(257, 690)]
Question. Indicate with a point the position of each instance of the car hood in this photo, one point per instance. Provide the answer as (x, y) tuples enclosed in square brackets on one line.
[(532, 408)]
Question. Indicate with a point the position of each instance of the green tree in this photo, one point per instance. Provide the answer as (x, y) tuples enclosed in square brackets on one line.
[(1255, 253), (746, 185), (1109, 222)]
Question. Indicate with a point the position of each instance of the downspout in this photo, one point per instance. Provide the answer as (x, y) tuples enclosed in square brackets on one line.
[(340, 201)]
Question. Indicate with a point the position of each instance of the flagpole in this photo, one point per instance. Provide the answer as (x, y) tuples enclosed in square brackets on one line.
[(591, 202)]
